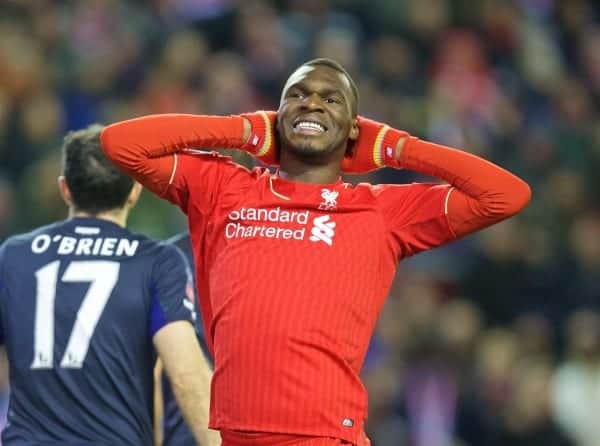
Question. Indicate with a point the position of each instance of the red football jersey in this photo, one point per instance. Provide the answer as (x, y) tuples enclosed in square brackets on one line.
[(292, 276), (291, 279)]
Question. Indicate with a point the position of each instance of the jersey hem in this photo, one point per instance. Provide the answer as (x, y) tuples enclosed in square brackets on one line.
[(351, 435)]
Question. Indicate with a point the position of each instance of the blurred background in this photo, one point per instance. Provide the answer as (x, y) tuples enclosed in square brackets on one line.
[(493, 340)]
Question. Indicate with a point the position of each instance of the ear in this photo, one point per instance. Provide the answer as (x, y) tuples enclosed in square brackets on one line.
[(277, 121), (134, 195), (65, 193), (354, 131), (352, 137)]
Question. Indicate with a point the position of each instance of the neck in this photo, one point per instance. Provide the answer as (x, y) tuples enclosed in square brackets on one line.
[(118, 216), (296, 169)]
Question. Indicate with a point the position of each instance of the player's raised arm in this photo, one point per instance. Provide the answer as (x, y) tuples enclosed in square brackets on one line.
[(146, 148), (482, 193)]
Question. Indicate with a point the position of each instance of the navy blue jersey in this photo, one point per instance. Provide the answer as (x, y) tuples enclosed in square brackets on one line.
[(80, 302), (175, 431)]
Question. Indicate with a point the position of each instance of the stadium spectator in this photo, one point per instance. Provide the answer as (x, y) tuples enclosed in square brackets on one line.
[(576, 383)]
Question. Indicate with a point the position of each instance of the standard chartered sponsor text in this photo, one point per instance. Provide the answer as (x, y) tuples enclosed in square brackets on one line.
[(273, 215), (236, 229)]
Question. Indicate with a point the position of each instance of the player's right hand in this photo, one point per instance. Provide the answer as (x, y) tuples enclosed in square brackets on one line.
[(262, 141)]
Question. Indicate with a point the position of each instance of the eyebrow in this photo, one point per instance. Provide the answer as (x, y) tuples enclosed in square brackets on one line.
[(322, 92)]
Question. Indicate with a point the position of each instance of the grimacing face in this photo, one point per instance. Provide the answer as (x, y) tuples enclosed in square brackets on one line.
[(315, 113)]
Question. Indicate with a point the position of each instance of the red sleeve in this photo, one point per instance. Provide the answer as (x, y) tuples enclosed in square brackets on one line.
[(424, 216), (414, 215), (482, 193), (145, 147)]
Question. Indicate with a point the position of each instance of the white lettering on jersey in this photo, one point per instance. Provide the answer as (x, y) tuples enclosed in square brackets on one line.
[(127, 247), (262, 223), (87, 230), (322, 230), (272, 215), (238, 230), (85, 246), (108, 247), (66, 246), (40, 243)]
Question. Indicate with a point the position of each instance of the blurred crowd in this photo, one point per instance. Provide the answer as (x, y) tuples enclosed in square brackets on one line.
[(494, 340)]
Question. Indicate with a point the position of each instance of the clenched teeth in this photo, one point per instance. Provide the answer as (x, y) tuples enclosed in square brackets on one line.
[(308, 125)]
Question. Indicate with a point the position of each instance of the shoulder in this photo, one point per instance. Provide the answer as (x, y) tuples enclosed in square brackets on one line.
[(236, 172), (156, 249), (212, 167), (142, 238), (168, 253), (368, 192), (183, 242), (18, 249), (377, 190), (170, 268), (214, 157), (402, 187), (148, 250), (193, 157), (25, 239)]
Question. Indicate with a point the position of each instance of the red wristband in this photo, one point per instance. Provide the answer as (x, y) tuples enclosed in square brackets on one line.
[(376, 147), (385, 147), (261, 143)]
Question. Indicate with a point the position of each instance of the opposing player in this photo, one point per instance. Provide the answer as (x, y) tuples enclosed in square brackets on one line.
[(84, 303), (293, 267)]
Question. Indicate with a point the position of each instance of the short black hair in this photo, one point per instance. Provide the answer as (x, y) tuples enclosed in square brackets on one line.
[(325, 62), (96, 185)]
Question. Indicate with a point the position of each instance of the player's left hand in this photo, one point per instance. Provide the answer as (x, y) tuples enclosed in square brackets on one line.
[(376, 147), (262, 143)]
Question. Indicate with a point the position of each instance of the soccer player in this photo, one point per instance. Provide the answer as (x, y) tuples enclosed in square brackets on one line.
[(85, 305), (293, 267)]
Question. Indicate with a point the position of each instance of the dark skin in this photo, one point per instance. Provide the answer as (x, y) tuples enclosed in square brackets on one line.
[(322, 96)]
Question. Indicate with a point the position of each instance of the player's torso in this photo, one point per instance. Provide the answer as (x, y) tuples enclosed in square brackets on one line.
[(75, 321), (319, 253), (296, 276)]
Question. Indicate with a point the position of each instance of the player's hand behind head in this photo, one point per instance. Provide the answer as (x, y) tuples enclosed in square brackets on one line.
[(262, 142), (376, 147)]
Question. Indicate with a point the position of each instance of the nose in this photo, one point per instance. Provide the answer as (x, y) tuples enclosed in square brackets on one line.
[(312, 102)]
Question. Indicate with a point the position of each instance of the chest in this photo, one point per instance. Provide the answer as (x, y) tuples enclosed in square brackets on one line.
[(299, 228)]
